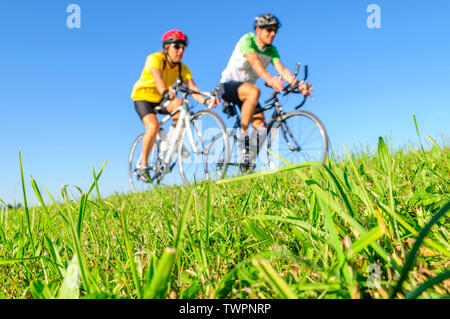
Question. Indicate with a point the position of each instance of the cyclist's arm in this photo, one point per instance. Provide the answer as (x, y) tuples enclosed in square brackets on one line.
[(191, 85), (290, 78), (255, 62), (285, 73), (158, 78)]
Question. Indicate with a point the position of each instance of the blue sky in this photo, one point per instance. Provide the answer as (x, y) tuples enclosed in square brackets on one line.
[(65, 93)]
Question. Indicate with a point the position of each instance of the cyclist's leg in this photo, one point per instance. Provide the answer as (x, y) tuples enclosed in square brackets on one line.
[(249, 95), (260, 129), (152, 127), (174, 104), (244, 95), (258, 119), (147, 114)]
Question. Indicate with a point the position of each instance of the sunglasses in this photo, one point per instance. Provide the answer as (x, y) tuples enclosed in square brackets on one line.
[(270, 30), (178, 46)]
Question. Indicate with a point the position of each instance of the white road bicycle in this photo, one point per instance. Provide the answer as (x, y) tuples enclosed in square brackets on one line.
[(199, 146)]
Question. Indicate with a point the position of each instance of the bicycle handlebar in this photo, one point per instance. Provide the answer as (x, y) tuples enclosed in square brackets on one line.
[(179, 87), (291, 89)]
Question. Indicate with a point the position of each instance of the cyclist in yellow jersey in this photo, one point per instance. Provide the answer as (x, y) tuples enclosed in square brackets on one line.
[(161, 70)]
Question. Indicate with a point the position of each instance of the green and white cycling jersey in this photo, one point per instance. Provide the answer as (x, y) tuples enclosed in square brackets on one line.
[(239, 69)]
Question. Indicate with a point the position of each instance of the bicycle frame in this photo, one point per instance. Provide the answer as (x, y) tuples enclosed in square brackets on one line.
[(163, 162), (183, 127), (277, 114), (183, 123)]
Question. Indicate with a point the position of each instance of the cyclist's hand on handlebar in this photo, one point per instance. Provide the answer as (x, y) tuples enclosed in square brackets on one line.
[(276, 84), (305, 88), (172, 93), (169, 95), (211, 102)]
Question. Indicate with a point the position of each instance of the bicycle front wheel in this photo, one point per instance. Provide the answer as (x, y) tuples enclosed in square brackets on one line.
[(296, 138), (204, 151)]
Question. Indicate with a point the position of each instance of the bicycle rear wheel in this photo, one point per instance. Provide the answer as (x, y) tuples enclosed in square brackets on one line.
[(297, 138), (210, 159), (137, 182)]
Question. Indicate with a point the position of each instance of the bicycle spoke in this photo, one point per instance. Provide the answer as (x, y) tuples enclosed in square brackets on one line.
[(301, 129), (210, 160)]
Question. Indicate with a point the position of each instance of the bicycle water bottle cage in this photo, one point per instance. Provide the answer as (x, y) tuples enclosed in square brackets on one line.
[(229, 109)]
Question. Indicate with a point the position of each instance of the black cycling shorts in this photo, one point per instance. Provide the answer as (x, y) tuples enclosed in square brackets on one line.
[(229, 92), (144, 107)]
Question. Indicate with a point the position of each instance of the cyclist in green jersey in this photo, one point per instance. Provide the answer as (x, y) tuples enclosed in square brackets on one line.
[(248, 62)]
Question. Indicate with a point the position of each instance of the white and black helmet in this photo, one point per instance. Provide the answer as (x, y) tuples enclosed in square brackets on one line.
[(265, 20)]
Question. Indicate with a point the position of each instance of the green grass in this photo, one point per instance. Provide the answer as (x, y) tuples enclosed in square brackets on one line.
[(302, 232)]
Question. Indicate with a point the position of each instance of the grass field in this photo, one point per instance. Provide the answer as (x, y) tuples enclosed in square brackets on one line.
[(371, 225)]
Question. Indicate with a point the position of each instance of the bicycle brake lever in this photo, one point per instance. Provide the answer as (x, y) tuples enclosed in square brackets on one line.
[(301, 104)]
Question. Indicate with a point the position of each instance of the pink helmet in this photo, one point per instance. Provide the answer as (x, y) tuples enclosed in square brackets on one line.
[(174, 36)]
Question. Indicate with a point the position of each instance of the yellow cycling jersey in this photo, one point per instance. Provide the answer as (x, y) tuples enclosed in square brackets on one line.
[(145, 88)]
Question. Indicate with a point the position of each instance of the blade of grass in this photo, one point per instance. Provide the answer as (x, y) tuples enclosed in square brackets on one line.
[(428, 284), (17, 260), (337, 244), (407, 226), (158, 284), (75, 239), (182, 222), (365, 241), (265, 173), (56, 262), (352, 222), (208, 211), (412, 254), (364, 191), (418, 134), (96, 178), (387, 164), (123, 221), (41, 201), (316, 232), (61, 214), (274, 280), (40, 290), (81, 213), (79, 254), (434, 143), (25, 203), (338, 185)]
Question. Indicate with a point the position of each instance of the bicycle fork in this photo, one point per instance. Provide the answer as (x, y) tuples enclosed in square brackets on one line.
[(285, 129)]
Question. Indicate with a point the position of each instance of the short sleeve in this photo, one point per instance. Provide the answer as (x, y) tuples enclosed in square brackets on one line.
[(247, 45), (186, 73), (273, 53), (154, 61)]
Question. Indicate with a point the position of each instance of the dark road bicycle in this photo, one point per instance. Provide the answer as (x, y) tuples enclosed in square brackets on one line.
[(293, 137)]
